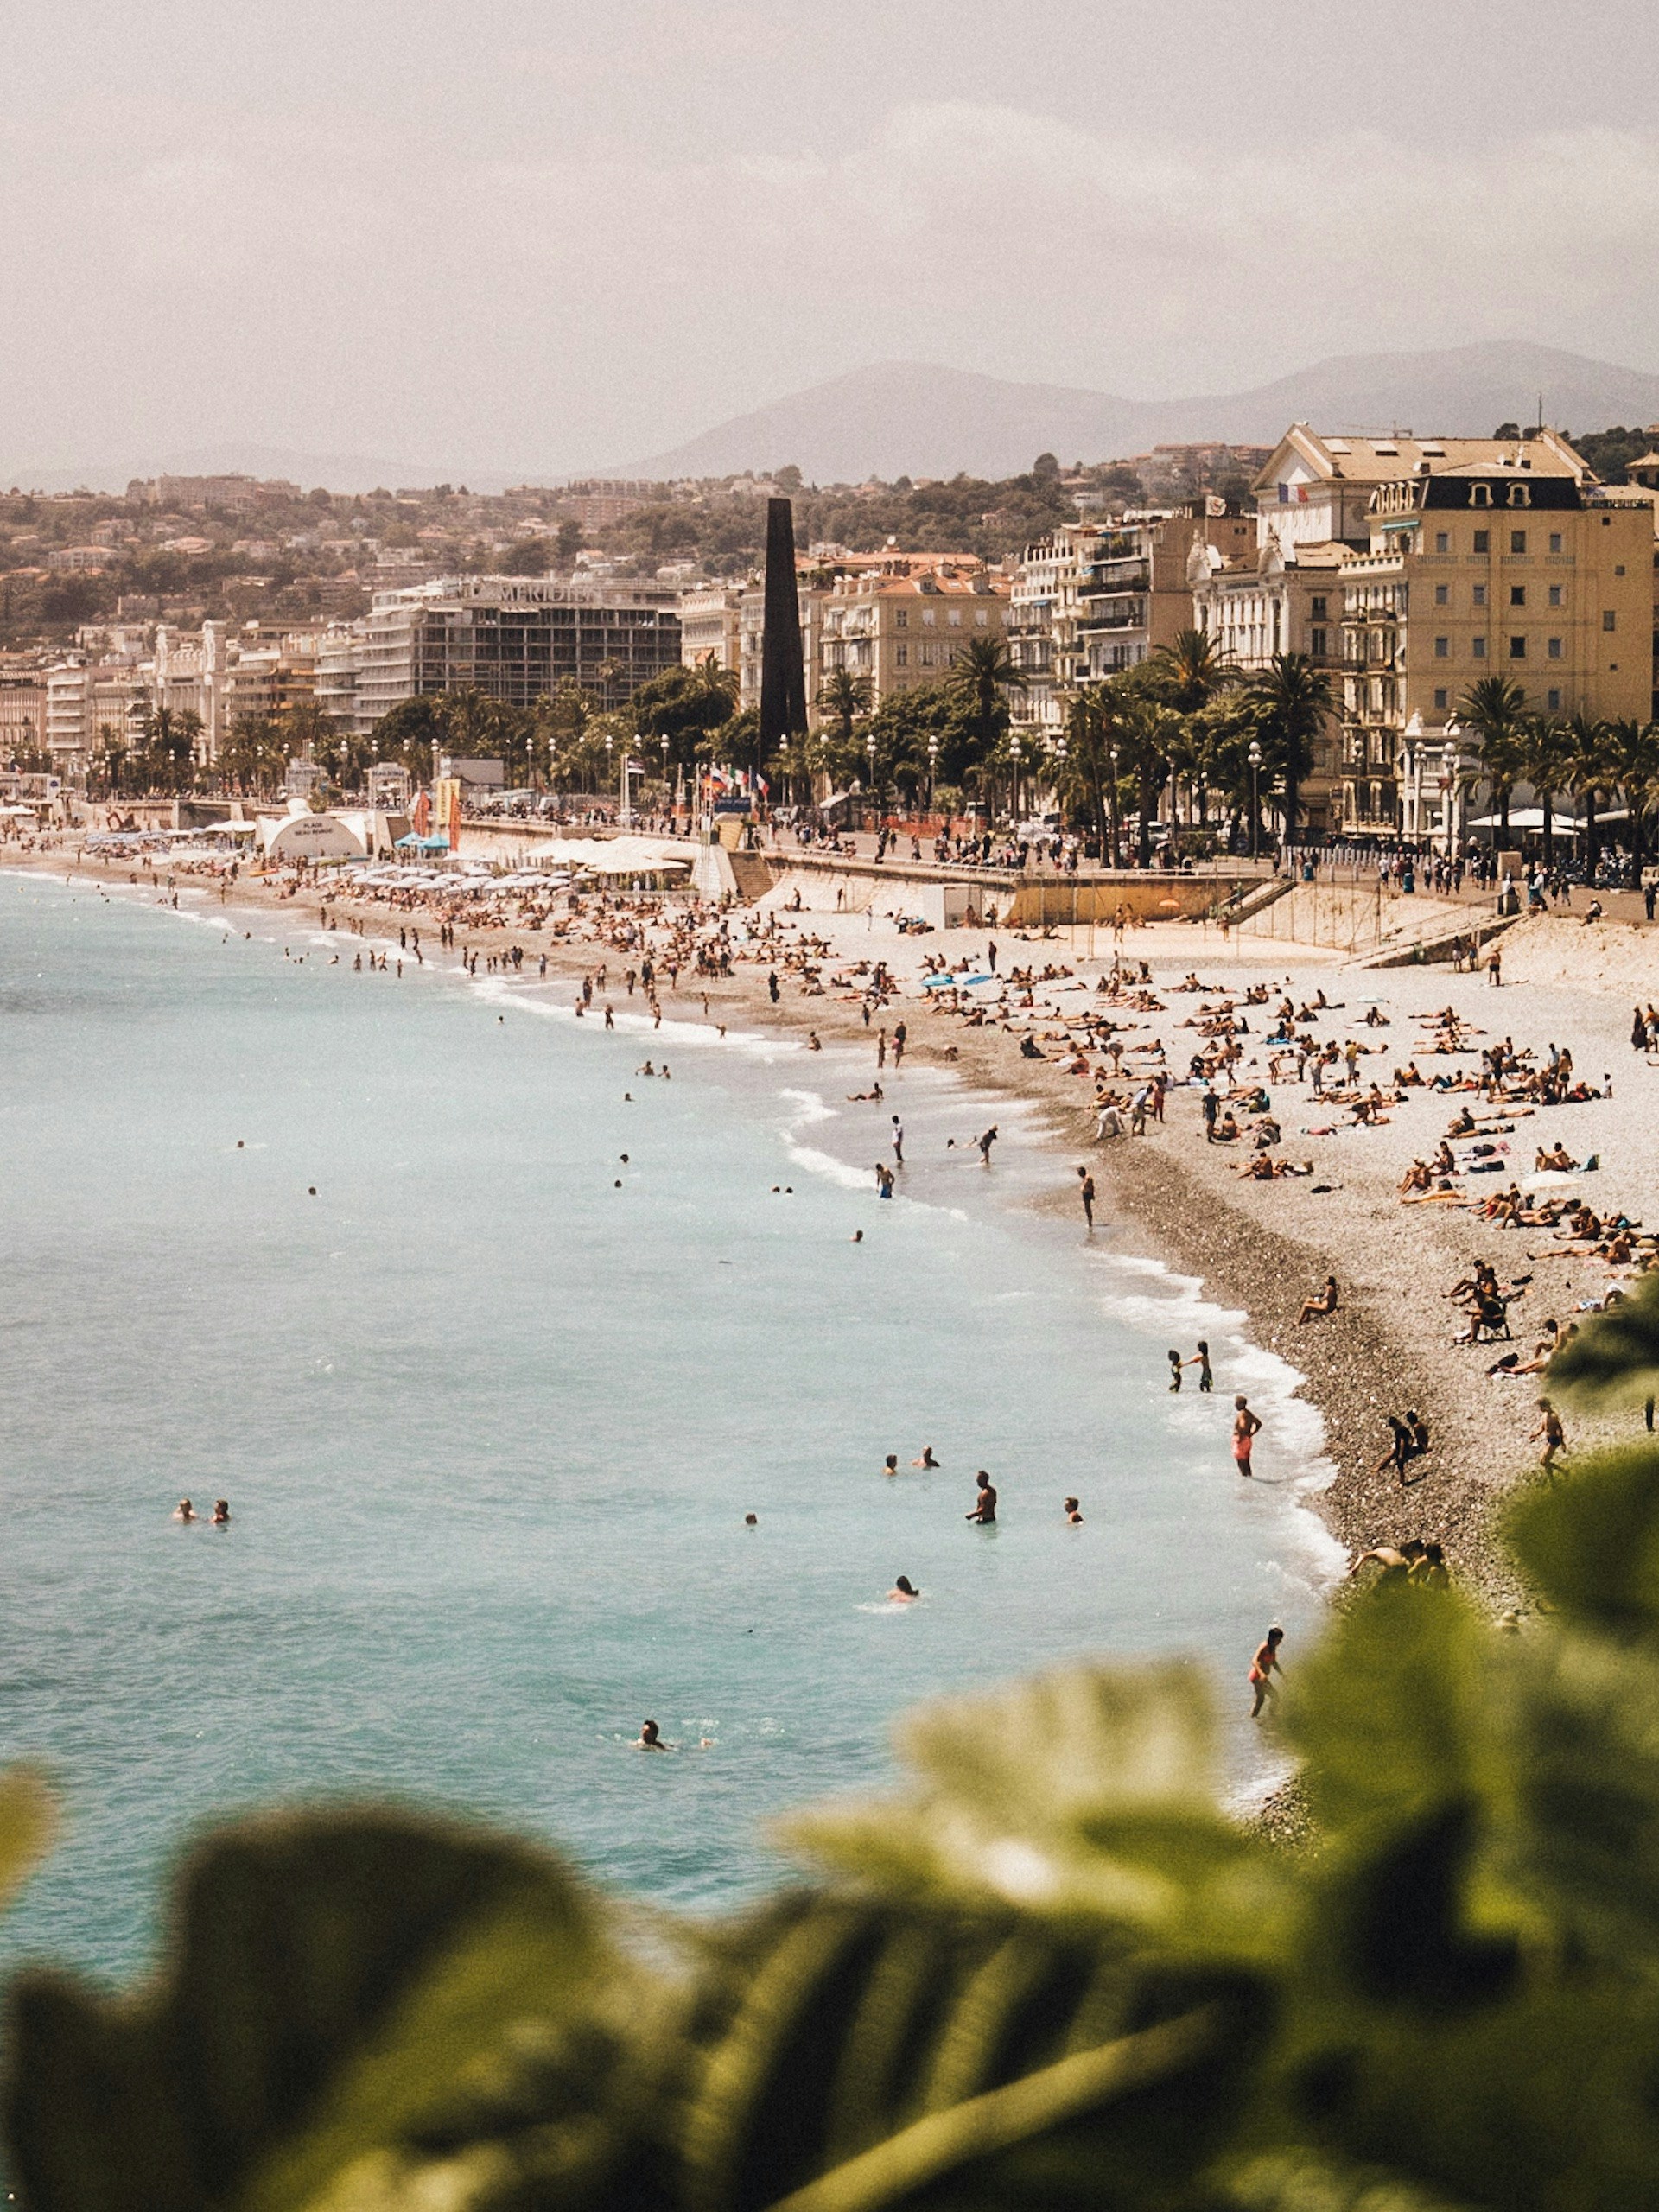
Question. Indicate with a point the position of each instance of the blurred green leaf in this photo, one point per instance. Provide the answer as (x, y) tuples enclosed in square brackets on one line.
[(1589, 1542), (1089, 1792), (27, 1816), (862, 2039), (353, 1999), (1614, 1357), (1387, 1712)]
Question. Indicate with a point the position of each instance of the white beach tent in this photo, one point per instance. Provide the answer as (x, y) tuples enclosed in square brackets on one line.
[(616, 855), (1531, 818)]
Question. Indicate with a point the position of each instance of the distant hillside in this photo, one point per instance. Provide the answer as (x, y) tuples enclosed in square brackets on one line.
[(903, 418), (334, 472)]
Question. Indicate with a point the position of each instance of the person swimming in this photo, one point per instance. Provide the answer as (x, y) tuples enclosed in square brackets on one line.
[(1073, 1513), (926, 1459), (650, 1738), (751, 1520), (184, 1510), (904, 1592), (985, 1502), (222, 1513), (890, 1465)]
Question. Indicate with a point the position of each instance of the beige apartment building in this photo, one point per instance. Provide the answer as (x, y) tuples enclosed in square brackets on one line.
[(900, 631), (710, 624), (1484, 570), (897, 618), (22, 714)]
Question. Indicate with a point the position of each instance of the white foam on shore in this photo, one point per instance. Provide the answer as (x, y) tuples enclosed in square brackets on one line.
[(826, 1165)]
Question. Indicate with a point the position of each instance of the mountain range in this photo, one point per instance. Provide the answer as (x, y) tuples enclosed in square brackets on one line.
[(912, 418)]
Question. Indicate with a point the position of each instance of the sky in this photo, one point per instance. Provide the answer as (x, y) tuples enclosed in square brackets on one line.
[(555, 236)]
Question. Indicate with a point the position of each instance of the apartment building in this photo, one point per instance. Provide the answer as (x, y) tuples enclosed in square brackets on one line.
[(89, 706), (1280, 601), (515, 637), (22, 714), (897, 631), (1485, 570), (1316, 489), (710, 624), (1091, 599)]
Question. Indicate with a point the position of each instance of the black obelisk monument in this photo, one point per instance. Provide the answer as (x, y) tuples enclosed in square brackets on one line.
[(783, 678)]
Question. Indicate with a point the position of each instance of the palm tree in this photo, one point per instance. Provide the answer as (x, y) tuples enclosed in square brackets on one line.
[(843, 699), (1587, 771), (1493, 712), (1632, 759), (1549, 769), (983, 670), (1296, 700), (1189, 672)]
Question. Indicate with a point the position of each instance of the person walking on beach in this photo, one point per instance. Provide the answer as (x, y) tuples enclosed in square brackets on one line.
[(1265, 1664), (985, 1143), (985, 1502), (1495, 967), (1246, 1428), (1174, 1370), (898, 1141), (1550, 1433), (1086, 1193), (1210, 1106), (1200, 1359)]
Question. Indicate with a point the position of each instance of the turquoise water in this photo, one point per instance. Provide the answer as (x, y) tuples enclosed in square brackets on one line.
[(489, 1425)]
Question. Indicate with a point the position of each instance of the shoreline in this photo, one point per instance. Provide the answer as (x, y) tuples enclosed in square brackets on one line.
[(1166, 1197)]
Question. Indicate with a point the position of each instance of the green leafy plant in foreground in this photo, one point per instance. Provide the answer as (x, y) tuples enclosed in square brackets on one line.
[(1050, 1971)]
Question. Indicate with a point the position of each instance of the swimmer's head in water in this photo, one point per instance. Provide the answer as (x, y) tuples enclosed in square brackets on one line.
[(750, 1521), (909, 1588), (649, 1732)]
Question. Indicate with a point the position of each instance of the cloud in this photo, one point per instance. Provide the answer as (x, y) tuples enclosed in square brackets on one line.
[(306, 282)]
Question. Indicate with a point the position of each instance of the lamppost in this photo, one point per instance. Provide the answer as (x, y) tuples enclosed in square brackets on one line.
[(627, 786), (932, 767), (869, 746), (1013, 747), (663, 741), (1060, 753), (1255, 797), (610, 743), (1111, 801), (1456, 769)]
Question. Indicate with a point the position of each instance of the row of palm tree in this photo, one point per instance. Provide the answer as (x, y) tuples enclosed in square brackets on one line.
[(1578, 756)]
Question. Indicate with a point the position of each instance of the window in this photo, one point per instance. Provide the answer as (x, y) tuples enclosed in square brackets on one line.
[(1553, 701), (1442, 648), (1520, 495), (930, 618), (1480, 594), (901, 656), (1483, 541), (1480, 495), (1517, 541), (1442, 594), (981, 619), (1316, 644), (1620, 570), (1554, 541), (1442, 541), (1477, 646), (1557, 597), (1318, 610), (1609, 618), (901, 618), (1517, 649), (1517, 595), (1554, 649), (1442, 698)]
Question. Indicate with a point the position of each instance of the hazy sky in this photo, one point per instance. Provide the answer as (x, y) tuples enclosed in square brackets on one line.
[(548, 235)]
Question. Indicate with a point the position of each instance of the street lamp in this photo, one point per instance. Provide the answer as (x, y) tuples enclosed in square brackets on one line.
[(1255, 795), (610, 742), (1013, 747), (870, 748), (932, 767), (663, 741)]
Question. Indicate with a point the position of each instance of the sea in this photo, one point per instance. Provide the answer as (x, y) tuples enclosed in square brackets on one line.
[(492, 1342)]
